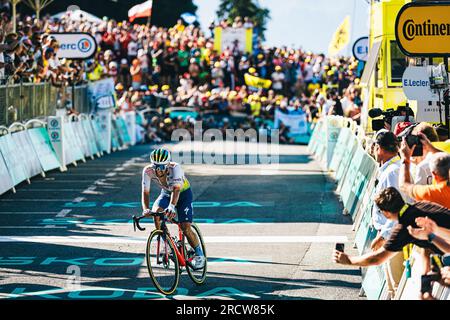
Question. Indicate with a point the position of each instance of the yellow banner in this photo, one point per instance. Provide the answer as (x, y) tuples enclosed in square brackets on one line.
[(232, 37), (256, 82), (341, 37), (423, 29)]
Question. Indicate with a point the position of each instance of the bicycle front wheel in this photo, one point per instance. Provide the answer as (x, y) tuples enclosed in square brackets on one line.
[(197, 276), (162, 262)]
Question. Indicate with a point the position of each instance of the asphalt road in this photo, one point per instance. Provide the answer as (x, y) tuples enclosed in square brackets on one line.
[(269, 230)]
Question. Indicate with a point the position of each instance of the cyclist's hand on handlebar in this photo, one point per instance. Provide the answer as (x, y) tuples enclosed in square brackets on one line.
[(170, 212), (146, 212)]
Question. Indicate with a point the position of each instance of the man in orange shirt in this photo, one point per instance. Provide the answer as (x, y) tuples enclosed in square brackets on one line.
[(440, 164)]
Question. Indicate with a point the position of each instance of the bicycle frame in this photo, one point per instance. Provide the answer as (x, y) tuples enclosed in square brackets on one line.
[(181, 256)]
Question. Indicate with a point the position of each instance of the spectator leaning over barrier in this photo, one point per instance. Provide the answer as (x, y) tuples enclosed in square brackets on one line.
[(393, 207), (439, 164), (429, 230), (422, 173)]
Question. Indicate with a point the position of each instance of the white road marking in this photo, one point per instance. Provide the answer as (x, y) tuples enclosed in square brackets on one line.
[(36, 200), (52, 190), (21, 212), (210, 240), (32, 227), (63, 213)]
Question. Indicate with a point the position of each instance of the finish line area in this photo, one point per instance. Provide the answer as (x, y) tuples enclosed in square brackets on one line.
[(269, 231)]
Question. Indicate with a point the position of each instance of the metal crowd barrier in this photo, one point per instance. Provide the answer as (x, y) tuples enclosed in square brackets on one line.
[(38, 146), (342, 147), (26, 101)]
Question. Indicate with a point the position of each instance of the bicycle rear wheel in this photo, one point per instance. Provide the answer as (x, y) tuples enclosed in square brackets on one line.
[(197, 276), (162, 263)]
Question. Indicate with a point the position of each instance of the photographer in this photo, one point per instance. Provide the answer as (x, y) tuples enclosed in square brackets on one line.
[(439, 164), (423, 175), (393, 207)]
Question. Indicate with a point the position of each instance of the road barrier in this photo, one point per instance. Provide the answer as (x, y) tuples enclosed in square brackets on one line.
[(342, 147), (38, 146)]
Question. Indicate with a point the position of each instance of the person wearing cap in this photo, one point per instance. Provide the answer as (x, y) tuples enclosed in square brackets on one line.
[(386, 154), (278, 80)]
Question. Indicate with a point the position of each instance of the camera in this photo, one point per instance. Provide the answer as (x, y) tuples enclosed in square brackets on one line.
[(412, 140), (389, 117)]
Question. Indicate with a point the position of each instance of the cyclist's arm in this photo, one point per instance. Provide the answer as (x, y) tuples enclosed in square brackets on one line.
[(145, 198), (175, 195)]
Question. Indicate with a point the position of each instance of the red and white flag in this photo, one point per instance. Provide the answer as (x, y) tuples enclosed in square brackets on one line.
[(142, 10)]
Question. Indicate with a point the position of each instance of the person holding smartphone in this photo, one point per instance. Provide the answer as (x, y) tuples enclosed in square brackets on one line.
[(392, 205)]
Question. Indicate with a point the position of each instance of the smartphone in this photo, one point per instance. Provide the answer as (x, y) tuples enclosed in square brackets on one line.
[(339, 247), (426, 282)]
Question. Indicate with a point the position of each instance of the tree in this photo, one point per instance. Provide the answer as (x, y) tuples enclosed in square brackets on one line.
[(165, 13), (230, 9), (38, 5), (14, 4)]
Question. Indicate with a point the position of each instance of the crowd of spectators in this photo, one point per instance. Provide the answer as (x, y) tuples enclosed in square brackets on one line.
[(181, 65), (411, 206)]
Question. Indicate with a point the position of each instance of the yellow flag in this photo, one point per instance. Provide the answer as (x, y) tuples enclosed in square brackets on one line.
[(256, 82), (340, 38)]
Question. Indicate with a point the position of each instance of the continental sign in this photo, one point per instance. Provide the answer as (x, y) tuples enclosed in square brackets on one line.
[(423, 29)]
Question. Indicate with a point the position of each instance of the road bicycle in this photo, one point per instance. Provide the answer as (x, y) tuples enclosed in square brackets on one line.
[(168, 255)]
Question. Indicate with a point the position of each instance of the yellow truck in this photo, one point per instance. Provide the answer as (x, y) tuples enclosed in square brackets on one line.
[(381, 81)]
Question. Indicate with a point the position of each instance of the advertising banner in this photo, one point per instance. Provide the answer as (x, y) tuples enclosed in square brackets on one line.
[(361, 49), (6, 182), (75, 45), (44, 149), (130, 119), (83, 140), (429, 112), (296, 123), (240, 39), (72, 149), (104, 129), (423, 29), (90, 136), (13, 159), (56, 134), (29, 157), (102, 94), (416, 84), (122, 127)]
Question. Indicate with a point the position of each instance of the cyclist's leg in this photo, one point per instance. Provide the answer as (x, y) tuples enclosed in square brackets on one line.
[(159, 206), (185, 217)]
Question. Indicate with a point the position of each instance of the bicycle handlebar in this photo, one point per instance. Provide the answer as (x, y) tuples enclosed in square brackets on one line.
[(136, 220)]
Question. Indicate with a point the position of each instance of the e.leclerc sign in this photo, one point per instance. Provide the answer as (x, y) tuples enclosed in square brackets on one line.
[(423, 29), (75, 45), (416, 84)]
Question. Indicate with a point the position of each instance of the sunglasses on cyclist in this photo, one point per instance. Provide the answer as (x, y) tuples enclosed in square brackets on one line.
[(160, 167)]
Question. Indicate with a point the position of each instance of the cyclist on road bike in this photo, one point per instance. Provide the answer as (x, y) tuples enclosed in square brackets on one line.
[(175, 198)]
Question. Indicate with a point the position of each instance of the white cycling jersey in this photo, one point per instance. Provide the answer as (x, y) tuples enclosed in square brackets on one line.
[(175, 177)]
